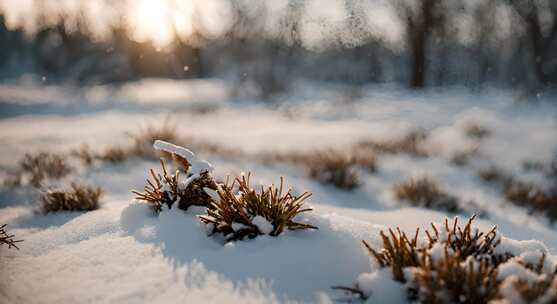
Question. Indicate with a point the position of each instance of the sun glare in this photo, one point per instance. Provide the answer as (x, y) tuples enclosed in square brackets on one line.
[(153, 20)]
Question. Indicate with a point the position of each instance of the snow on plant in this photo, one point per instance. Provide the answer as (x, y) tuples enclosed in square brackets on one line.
[(35, 169), (167, 189), (425, 192), (8, 239), (78, 198), (455, 264), (239, 211)]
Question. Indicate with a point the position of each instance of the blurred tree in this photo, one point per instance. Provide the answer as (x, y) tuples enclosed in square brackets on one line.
[(420, 18), (539, 20)]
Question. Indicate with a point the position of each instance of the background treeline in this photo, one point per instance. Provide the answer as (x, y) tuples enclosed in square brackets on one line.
[(509, 43)]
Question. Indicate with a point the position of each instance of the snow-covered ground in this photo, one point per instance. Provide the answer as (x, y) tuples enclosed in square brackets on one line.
[(121, 253)]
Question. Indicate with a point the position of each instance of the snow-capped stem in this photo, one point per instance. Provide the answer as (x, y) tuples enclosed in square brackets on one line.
[(197, 165)]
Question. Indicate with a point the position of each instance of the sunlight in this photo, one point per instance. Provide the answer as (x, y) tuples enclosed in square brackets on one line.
[(151, 20)]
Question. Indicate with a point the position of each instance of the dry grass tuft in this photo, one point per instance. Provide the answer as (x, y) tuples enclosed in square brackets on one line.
[(462, 158), (455, 265), (335, 168), (249, 213), (166, 189), (477, 131), (410, 144), (525, 194), (78, 198), (8, 239), (425, 192), (36, 168), (143, 141), (115, 155), (112, 155)]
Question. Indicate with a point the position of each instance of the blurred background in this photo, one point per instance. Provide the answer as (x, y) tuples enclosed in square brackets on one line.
[(268, 45)]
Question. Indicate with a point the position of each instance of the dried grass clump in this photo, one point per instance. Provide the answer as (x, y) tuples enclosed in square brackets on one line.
[(462, 158), (115, 155), (334, 168), (477, 131), (36, 168), (8, 239), (166, 189), (410, 144), (425, 192), (143, 141), (455, 264), (533, 197), (525, 194), (239, 211), (78, 198), (112, 155)]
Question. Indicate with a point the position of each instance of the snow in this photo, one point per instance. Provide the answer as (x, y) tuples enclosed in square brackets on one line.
[(197, 166), (262, 224), (124, 253)]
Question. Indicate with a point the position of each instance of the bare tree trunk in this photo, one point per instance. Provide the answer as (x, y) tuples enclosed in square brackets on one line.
[(418, 60)]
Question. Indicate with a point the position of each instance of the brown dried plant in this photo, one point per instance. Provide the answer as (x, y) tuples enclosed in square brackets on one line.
[(234, 213), (450, 280), (544, 290), (477, 131), (36, 168), (166, 189), (78, 198), (467, 272), (333, 168), (425, 192), (8, 239), (525, 194), (143, 141), (410, 144)]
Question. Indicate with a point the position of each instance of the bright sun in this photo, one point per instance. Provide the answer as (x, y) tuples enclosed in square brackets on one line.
[(158, 20)]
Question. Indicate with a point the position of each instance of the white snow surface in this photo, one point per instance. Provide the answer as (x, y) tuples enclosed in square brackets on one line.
[(123, 253)]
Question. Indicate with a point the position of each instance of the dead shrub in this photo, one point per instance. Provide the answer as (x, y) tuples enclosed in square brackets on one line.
[(85, 154), (455, 265), (112, 155), (238, 211), (425, 192), (78, 198), (115, 155), (477, 131), (144, 139), (534, 197), (8, 239), (166, 189), (36, 168), (410, 144), (462, 158), (333, 168)]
